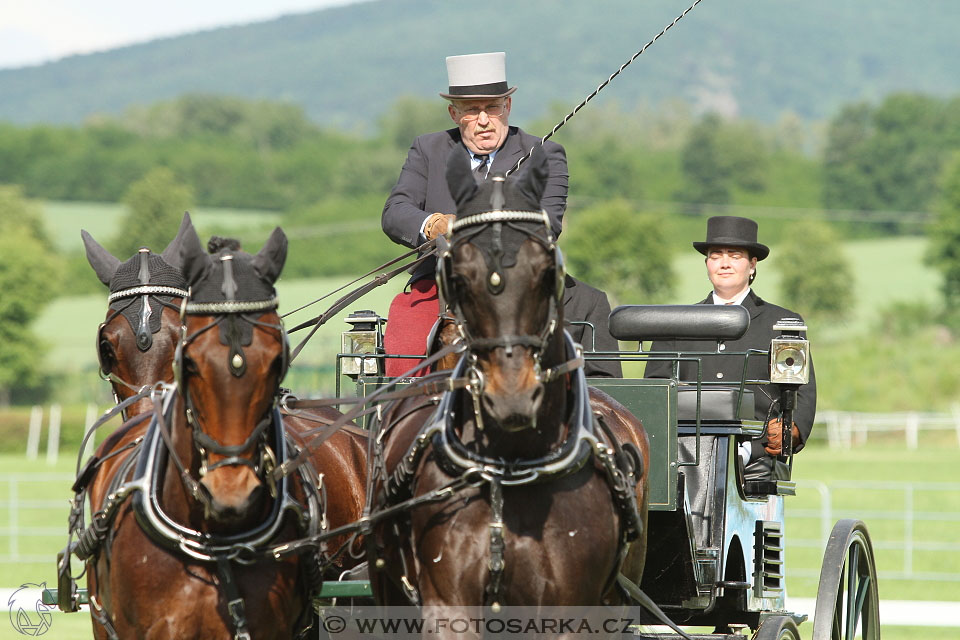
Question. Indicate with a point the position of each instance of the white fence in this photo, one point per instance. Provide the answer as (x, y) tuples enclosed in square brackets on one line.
[(35, 430), (846, 429), (32, 529), (900, 531)]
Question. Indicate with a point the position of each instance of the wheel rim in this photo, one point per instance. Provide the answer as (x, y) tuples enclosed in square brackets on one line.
[(847, 597)]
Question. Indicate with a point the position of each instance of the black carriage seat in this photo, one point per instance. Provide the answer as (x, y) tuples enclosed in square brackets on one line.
[(679, 321)]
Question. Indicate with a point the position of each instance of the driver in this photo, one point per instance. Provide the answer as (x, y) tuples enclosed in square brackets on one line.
[(419, 208)]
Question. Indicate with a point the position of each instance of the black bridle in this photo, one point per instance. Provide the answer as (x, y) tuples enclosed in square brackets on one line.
[(229, 311), (144, 336), (465, 230)]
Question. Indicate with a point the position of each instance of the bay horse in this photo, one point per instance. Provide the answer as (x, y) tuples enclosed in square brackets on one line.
[(545, 502), (143, 585)]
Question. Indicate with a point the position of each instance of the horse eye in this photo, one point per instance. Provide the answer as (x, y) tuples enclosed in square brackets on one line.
[(189, 366), (108, 357)]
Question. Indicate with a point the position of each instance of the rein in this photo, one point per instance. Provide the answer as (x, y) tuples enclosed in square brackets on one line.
[(428, 247)]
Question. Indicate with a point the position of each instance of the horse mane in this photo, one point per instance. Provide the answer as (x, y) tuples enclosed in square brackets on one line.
[(216, 244)]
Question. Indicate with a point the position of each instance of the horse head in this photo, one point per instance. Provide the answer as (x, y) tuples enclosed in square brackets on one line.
[(232, 355), (137, 340), (502, 277)]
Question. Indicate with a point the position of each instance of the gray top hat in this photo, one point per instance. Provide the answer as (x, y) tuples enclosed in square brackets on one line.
[(732, 231), (478, 75)]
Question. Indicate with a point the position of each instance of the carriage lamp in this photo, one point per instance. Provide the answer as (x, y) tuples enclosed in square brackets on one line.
[(789, 368), (789, 354), (366, 336)]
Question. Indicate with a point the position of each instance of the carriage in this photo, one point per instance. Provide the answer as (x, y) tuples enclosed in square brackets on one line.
[(722, 568)]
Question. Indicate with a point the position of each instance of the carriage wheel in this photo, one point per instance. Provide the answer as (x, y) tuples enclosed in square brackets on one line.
[(847, 595), (777, 628)]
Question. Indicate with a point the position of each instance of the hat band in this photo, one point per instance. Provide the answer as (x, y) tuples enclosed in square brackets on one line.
[(491, 89)]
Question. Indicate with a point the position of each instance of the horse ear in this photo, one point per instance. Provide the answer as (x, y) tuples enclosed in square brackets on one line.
[(269, 260), (460, 179), (533, 181), (102, 261), (194, 261), (171, 255)]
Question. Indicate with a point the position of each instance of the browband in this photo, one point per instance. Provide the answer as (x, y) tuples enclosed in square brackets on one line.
[(502, 216), (231, 306), (146, 290)]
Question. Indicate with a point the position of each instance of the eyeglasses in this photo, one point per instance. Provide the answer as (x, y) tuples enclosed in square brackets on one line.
[(492, 110)]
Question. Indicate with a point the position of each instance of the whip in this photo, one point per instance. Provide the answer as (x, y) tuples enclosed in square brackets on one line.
[(602, 85)]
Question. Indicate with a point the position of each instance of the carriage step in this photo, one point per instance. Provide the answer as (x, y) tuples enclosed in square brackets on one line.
[(342, 589)]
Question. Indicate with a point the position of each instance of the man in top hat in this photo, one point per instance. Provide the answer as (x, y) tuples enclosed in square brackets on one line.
[(732, 253), (420, 207)]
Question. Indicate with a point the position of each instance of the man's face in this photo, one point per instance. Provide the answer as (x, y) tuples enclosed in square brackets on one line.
[(481, 130), (729, 269)]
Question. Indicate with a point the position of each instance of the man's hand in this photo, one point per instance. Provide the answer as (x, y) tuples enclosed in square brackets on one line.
[(774, 436), (438, 224)]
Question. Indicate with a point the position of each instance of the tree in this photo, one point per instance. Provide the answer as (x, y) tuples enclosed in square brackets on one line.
[(944, 249), (28, 278), (816, 277), (889, 157), (719, 156), (705, 174), (410, 117), (155, 204), (613, 247)]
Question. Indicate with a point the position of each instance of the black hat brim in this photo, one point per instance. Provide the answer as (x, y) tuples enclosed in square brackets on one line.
[(477, 96), (757, 250)]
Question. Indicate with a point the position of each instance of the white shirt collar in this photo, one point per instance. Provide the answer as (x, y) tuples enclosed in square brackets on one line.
[(738, 299), (475, 160)]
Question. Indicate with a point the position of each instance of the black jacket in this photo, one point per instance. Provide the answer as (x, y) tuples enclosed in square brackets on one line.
[(421, 189), (582, 302)]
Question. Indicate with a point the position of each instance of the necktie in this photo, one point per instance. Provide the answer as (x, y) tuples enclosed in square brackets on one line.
[(481, 170)]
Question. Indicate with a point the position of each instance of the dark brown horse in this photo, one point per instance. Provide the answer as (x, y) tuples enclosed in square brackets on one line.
[(143, 583), (547, 503)]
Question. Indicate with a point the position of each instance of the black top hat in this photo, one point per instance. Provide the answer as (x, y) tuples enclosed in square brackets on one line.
[(732, 231)]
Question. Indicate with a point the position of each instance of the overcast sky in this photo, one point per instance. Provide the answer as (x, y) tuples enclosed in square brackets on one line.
[(37, 31)]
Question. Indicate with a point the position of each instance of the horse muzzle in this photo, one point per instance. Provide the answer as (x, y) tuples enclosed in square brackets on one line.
[(515, 410), (235, 492)]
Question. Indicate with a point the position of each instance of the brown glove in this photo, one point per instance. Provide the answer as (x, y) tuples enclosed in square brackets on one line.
[(774, 436), (438, 224)]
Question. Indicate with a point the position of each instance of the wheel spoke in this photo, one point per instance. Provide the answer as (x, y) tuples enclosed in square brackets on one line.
[(852, 584), (862, 590)]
